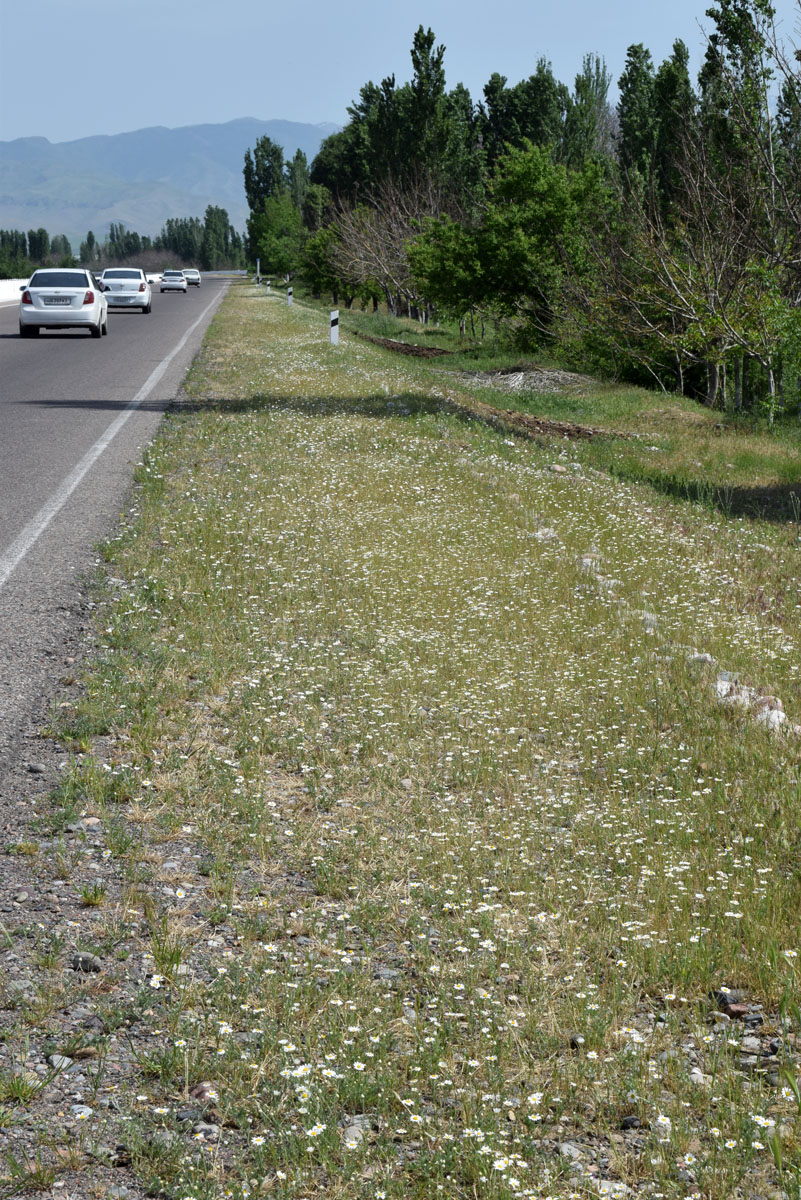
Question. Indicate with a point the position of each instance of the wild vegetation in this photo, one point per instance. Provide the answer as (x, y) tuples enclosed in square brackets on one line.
[(432, 821), (657, 241)]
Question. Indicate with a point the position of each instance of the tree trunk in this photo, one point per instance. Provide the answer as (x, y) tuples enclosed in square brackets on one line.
[(712, 382), (738, 382), (679, 374)]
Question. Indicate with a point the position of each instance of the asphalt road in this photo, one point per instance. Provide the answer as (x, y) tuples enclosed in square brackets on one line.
[(75, 415)]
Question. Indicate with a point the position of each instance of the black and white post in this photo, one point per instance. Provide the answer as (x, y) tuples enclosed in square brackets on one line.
[(258, 272), (289, 296), (335, 327)]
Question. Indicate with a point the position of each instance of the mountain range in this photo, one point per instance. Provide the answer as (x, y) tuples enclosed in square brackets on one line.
[(139, 178)]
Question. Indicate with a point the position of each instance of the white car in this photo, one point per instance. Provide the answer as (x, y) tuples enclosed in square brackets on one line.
[(62, 298), (192, 276), (173, 281), (127, 287)]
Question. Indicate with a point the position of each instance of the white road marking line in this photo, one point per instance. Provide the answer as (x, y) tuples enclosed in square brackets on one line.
[(13, 556)]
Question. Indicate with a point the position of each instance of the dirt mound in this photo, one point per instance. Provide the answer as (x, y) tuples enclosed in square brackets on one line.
[(402, 347)]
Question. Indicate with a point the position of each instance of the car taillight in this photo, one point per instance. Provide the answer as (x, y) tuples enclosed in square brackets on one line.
[(26, 298), (141, 287), (89, 298)]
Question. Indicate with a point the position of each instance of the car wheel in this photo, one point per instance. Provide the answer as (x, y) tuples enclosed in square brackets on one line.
[(29, 331), (146, 308), (96, 330), (105, 327)]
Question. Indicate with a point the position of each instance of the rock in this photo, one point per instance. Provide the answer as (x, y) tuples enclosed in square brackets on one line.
[(164, 1138), (187, 1114), (546, 535), (386, 973), (207, 1133), (59, 1062), (86, 963), (558, 469), (36, 768), (698, 1078), (631, 1122), (700, 660), (21, 896), (352, 1136), (751, 1045), (406, 784), (576, 1041), (570, 1151), (83, 1111)]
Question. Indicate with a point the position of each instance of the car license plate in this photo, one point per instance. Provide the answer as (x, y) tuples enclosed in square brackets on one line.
[(56, 299)]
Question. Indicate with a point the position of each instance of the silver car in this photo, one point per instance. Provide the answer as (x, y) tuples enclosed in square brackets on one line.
[(173, 281), (192, 276), (127, 287), (62, 298)]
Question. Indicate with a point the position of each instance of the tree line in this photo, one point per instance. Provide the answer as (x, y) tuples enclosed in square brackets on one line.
[(211, 243), (658, 239)]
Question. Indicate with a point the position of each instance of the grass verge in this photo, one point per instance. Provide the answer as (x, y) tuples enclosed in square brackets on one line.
[(489, 895)]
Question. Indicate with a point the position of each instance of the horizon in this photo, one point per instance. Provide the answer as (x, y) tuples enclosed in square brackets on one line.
[(170, 129)]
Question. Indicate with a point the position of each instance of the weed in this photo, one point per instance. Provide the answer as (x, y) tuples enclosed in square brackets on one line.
[(93, 894)]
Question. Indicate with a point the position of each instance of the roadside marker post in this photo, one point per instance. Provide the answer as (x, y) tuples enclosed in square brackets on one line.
[(289, 296), (335, 327), (258, 272), (267, 285)]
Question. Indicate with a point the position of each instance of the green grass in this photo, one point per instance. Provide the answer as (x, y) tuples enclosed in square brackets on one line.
[(735, 463), (479, 840)]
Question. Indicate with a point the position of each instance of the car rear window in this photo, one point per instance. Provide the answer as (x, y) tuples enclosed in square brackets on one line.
[(173, 272), (68, 279), (121, 274)]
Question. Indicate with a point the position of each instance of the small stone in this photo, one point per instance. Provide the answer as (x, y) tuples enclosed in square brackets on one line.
[(386, 973), (557, 469), (86, 963), (82, 1111), (187, 1114), (631, 1122), (751, 1045), (205, 1132), (164, 1137), (352, 1136), (576, 1041), (406, 784), (36, 768), (571, 1151), (22, 896), (59, 1062)]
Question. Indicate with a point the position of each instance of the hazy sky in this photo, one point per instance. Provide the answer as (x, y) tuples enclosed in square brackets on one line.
[(68, 70)]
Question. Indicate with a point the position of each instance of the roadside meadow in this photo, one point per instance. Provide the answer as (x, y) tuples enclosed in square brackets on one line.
[(430, 819)]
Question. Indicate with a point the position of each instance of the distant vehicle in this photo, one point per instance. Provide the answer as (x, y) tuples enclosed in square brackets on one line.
[(127, 287), (61, 298), (192, 276), (173, 281)]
